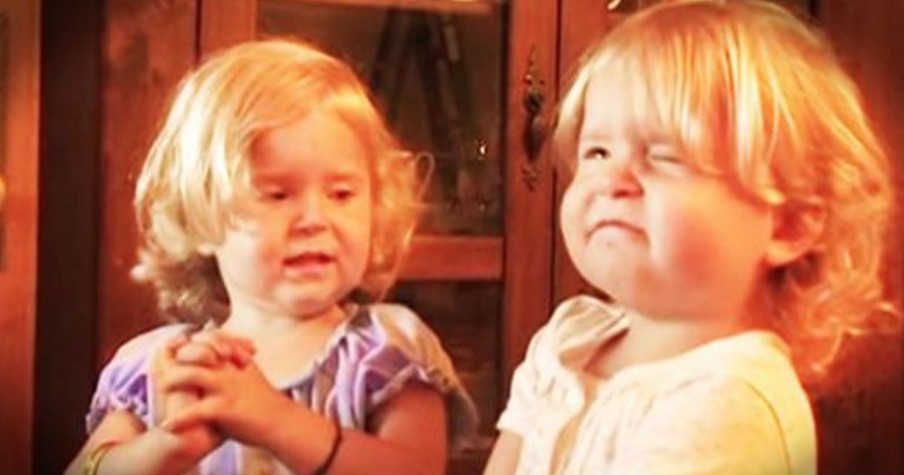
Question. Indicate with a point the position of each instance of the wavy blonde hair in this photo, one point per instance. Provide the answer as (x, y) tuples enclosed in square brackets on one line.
[(200, 158), (760, 97)]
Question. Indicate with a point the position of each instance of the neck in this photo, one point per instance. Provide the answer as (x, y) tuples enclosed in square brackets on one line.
[(285, 345), (654, 339), (248, 320)]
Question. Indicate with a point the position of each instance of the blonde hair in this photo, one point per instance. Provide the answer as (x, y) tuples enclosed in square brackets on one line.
[(200, 157), (758, 96)]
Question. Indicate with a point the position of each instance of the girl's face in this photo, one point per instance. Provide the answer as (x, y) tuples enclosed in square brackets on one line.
[(299, 241), (651, 231)]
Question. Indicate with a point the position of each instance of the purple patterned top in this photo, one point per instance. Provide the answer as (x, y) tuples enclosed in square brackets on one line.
[(367, 361)]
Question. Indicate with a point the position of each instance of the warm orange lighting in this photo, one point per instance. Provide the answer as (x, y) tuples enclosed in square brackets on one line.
[(481, 7)]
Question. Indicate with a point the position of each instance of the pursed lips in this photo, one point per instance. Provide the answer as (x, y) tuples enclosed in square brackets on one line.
[(614, 224)]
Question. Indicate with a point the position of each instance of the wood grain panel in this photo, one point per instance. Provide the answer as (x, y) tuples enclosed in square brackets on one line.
[(18, 270), (477, 258), (864, 432), (470, 7), (226, 22), (529, 217), (149, 46)]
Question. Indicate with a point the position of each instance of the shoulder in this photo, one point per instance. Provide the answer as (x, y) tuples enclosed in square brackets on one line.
[(390, 347), (721, 422), (729, 396), (134, 354), (394, 336), (752, 367), (396, 326), (578, 323), (124, 383), (758, 360)]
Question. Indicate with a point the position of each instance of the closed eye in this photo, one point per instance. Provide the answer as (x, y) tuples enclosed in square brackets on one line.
[(665, 153), (666, 158)]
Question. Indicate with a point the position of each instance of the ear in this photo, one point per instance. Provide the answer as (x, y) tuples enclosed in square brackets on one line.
[(796, 230)]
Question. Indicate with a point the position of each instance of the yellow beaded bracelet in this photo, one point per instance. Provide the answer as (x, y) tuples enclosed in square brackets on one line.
[(92, 464)]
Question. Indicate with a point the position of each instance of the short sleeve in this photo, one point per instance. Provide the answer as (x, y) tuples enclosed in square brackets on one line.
[(527, 383), (123, 383), (393, 349), (710, 426), (579, 322)]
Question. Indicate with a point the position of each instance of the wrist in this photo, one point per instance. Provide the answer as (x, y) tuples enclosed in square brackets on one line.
[(94, 459), (324, 466), (306, 442), (184, 449)]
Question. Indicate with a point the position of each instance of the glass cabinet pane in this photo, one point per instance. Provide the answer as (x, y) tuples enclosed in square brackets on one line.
[(438, 77)]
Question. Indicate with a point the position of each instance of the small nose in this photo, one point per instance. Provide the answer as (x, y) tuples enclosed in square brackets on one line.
[(618, 179), (308, 215)]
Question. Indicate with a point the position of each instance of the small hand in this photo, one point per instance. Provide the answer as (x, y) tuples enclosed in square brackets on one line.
[(194, 441), (239, 401), (212, 347)]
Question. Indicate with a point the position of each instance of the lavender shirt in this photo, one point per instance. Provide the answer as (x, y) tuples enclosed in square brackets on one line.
[(368, 360)]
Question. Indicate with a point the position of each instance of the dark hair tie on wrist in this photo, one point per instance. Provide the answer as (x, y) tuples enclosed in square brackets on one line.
[(331, 456)]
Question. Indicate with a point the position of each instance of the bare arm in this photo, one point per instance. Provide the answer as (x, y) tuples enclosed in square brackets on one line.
[(409, 436), (407, 433), (504, 458), (138, 451)]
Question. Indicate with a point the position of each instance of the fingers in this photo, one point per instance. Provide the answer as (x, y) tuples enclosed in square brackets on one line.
[(212, 347), (199, 413), (191, 379), (176, 342), (197, 354)]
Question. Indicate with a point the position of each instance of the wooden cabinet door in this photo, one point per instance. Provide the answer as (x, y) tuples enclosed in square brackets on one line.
[(19, 79)]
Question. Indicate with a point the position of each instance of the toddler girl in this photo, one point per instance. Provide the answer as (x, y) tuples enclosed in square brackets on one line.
[(275, 206), (731, 198)]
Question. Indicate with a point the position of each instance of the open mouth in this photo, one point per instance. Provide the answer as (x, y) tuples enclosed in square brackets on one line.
[(308, 260)]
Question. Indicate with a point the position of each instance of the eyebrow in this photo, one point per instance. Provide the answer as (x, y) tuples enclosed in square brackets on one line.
[(594, 136), (283, 175)]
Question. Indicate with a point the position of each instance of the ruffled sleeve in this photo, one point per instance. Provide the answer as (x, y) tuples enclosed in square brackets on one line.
[(528, 382), (577, 325), (386, 349), (124, 384)]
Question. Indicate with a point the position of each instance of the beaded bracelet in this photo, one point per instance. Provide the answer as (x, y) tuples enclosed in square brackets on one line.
[(92, 464), (331, 456)]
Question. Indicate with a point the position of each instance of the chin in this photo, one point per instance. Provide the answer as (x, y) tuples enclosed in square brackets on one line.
[(309, 306)]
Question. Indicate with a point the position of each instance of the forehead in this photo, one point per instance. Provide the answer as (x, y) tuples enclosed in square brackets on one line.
[(614, 104), (320, 142)]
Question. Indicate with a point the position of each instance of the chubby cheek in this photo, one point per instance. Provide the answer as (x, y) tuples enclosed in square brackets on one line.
[(572, 209), (685, 242), (709, 241), (353, 233), (251, 252)]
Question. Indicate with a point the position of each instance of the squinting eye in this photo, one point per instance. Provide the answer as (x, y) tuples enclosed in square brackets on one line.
[(596, 153), (342, 194), (666, 158)]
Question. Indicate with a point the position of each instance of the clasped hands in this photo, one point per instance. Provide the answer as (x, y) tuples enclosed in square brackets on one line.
[(211, 389)]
